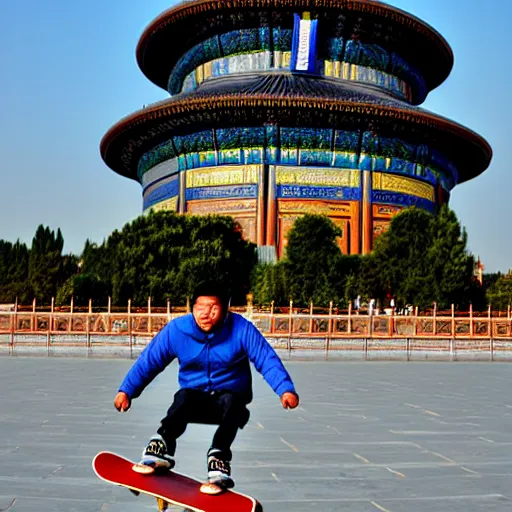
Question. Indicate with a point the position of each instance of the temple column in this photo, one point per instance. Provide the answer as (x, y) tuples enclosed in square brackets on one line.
[(271, 207), (367, 215), (183, 192), (260, 211), (355, 227)]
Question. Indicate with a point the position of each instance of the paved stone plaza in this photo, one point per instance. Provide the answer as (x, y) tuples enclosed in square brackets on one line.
[(374, 436)]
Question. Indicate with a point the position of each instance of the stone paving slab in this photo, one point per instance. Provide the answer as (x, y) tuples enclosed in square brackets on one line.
[(368, 436)]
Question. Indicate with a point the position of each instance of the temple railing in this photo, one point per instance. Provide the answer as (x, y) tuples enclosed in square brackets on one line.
[(286, 327)]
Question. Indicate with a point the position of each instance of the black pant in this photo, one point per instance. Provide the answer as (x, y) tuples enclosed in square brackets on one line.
[(223, 408)]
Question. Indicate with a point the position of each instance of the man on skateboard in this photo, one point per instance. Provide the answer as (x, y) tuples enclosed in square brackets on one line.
[(213, 347)]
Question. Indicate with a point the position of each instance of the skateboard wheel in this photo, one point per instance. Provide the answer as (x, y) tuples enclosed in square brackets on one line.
[(143, 469), (211, 489)]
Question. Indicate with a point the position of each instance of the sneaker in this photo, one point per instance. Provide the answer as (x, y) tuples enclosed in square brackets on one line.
[(219, 470), (155, 455)]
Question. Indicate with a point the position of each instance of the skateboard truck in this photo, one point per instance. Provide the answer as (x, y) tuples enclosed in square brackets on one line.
[(162, 505)]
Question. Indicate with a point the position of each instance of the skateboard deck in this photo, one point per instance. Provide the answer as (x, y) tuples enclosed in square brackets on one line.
[(171, 488)]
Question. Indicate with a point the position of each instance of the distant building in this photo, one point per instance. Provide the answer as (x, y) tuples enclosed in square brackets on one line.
[(280, 108)]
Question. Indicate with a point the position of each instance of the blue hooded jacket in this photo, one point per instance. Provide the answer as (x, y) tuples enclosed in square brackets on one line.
[(213, 361)]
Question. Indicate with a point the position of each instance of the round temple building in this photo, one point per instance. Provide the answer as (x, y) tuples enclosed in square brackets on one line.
[(280, 108)]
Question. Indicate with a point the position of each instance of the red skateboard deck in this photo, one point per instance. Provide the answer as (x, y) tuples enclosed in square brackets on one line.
[(170, 488)]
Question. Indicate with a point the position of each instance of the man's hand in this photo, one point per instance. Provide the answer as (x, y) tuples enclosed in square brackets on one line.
[(289, 400), (122, 402)]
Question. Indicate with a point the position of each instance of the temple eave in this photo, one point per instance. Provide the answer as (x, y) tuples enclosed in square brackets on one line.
[(139, 128), (152, 42), (372, 7)]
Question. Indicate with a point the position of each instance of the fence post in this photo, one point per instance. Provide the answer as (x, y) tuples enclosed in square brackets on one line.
[(14, 322), (471, 328), (168, 310), (491, 341), (50, 325), (149, 316), (329, 329), (51, 321), (272, 319), (88, 329), (109, 309), (33, 323), (434, 321), (311, 317), (130, 338), (290, 326), (349, 326), (370, 319), (71, 309), (452, 338), (508, 318), (391, 323)]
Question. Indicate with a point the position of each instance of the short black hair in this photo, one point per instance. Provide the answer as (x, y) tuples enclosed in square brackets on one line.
[(212, 289)]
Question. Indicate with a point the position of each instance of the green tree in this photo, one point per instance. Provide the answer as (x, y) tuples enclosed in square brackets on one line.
[(14, 272), (451, 265), (314, 260), (269, 282), (45, 263), (499, 294), (89, 276), (82, 287), (400, 264), (346, 280), (370, 282), (422, 259), (489, 279), (164, 255)]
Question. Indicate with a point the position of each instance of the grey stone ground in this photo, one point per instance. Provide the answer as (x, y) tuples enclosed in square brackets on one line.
[(374, 436)]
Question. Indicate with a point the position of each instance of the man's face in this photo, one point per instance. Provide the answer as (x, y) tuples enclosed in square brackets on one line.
[(207, 312)]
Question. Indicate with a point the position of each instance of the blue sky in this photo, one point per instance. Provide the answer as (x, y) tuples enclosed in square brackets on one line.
[(69, 73)]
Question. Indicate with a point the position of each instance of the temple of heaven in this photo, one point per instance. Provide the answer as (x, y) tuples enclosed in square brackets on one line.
[(279, 108)]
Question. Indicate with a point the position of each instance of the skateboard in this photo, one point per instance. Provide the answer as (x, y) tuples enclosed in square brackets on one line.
[(170, 488)]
